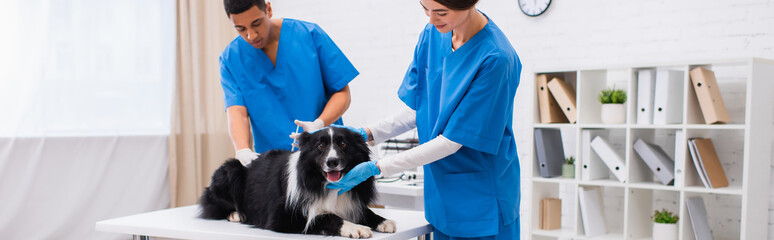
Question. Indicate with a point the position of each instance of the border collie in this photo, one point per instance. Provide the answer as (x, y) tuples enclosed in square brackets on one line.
[(286, 191)]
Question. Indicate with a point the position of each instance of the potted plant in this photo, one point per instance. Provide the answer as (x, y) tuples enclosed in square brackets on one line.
[(664, 225), (613, 109), (568, 168)]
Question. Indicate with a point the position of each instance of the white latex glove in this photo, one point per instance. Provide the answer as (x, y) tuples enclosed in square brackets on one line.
[(246, 156), (308, 127), (431, 151)]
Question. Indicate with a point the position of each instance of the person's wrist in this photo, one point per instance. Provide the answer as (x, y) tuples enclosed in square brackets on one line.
[(319, 123), (369, 134), (243, 150), (363, 133), (376, 168)]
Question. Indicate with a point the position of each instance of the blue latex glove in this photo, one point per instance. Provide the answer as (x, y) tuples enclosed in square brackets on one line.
[(360, 131), (358, 174)]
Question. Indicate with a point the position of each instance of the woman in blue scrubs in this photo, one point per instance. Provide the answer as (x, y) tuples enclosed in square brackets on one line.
[(460, 89), (278, 71)]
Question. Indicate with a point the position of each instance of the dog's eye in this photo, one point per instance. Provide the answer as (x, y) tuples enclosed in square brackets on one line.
[(320, 146), (342, 144)]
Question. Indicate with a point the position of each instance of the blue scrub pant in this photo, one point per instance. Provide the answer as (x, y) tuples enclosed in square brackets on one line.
[(510, 232)]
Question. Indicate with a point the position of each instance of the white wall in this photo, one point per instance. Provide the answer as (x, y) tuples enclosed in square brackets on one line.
[(379, 37)]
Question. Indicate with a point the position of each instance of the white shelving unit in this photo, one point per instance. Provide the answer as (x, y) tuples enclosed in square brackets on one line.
[(744, 146)]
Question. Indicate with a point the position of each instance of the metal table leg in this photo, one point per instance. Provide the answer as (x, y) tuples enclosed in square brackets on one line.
[(140, 237), (427, 236)]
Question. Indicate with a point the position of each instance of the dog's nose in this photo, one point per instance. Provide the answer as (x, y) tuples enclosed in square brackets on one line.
[(332, 162)]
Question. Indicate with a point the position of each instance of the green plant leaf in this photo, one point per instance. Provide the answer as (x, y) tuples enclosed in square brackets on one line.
[(664, 216), (570, 160), (612, 95)]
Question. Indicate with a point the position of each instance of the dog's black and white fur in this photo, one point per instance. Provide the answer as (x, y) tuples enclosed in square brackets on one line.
[(286, 191)]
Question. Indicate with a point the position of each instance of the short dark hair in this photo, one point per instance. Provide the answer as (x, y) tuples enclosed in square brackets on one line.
[(457, 4), (240, 6)]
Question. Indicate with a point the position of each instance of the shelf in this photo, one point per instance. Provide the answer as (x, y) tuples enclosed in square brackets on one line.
[(558, 233), (610, 236), (716, 126), (646, 126), (642, 203), (729, 145), (743, 148), (687, 126), (653, 186), (554, 125), (730, 190), (608, 126), (719, 217), (732, 61), (651, 126), (603, 183), (554, 180)]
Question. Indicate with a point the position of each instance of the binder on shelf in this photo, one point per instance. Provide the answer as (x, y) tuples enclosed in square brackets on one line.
[(710, 164), (646, 81), (591, 166), (697, 163), (679, 159), (565, 97), (550, 112), (708, 93), (550, 151), (613, 161), (667, 99), (657, 160), (698, 214), (550, 214), (591, 211)]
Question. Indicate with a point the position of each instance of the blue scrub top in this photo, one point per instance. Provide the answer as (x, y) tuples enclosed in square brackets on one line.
[(309, 69), (467, 95)]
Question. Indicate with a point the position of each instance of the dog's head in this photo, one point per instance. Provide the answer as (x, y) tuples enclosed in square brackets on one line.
[(332, 151)]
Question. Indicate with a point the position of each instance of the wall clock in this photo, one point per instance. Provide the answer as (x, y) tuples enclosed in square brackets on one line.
[(534, 8)]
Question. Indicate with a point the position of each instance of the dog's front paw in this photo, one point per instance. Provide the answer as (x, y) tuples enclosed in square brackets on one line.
[(349, 229), (388, 226), (234, 217)]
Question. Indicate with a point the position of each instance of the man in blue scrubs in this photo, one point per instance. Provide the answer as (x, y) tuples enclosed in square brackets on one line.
[(277, 72), (459, 90)]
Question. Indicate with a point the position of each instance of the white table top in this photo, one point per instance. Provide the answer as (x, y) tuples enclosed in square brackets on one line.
[(408, 188), (183, 223)]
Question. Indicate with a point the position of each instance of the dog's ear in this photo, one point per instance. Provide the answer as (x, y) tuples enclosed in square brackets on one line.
[(303, 138)]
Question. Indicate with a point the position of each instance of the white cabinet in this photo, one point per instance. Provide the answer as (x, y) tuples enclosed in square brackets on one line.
[(744, 147)]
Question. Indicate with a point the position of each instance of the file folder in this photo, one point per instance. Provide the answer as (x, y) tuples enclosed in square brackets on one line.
[(708, 93), (550, 213), (698, 214), (657, 160), (667, 99), (550, 151), (708, 157), (550, 112), (697, 163), (565, 97), (611, 158), (591, 166), (679, 159), (646, 81), (591, 211)]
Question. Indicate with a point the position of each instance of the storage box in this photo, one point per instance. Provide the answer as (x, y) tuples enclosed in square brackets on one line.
[(550, 213)]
